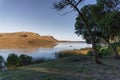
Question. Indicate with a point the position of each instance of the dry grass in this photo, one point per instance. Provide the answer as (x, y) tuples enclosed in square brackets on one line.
[(83, 51), (25, 40)]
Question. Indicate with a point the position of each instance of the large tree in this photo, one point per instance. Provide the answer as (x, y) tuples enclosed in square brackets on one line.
[(74, 4), (106, 15), (80, 27), (105, 25)]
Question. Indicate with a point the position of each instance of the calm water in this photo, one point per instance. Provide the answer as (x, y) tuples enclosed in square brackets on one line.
[(47, 53)]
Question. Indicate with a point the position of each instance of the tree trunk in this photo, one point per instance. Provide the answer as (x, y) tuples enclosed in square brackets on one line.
[(97, 58)]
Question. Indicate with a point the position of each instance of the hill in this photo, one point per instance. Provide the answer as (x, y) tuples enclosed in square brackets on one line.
[(25, 39)]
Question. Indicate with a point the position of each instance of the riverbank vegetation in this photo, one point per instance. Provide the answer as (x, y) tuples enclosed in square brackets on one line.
[(13, 61), (69, 65), (103, 51), (68, 68)]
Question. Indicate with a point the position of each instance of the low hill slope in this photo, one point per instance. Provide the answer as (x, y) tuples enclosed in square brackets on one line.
[(23, 39)]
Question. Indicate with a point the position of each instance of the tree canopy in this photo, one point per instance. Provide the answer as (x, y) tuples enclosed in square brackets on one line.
[(95, 22)]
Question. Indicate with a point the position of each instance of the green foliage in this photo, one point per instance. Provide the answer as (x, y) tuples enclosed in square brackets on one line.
[(25, 60), (109, 5), (90, 53), (107, 19), (81, 27), (64, 54), (116, 45), (106, 52), (110, 24), (13, 60), (1, 61)]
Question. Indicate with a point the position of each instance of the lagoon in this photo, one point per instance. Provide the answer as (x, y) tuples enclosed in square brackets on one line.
[(43, 52)]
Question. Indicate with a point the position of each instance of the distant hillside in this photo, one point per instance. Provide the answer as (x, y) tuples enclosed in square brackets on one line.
[(25, 39)]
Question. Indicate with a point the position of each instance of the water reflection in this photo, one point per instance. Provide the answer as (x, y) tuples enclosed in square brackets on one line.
[(27, 46), (47, 52)]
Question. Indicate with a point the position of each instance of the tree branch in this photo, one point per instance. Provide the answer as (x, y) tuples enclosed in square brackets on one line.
[(78, 2)]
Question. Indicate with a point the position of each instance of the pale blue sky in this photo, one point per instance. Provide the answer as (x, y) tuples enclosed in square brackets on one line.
[(37, 16)]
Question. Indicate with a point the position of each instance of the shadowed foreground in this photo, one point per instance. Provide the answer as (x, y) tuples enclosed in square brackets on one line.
[(71, 68)]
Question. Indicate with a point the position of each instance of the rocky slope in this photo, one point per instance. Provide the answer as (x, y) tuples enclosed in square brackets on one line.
[(25, 39)]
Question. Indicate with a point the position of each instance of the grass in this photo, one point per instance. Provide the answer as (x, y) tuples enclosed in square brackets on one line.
[(68, 68), (76, 52)]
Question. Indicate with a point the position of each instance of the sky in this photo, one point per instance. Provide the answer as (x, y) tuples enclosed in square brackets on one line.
[(38, 16)]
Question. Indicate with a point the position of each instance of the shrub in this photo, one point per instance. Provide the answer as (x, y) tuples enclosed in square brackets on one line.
[(106, 52), (12, 61), (116, 45), (1, 59), (64, 54), (25, 60), (1, 62), (90, 53)]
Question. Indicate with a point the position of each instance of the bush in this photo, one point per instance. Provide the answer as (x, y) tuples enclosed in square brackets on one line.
[(64, 54), (90, 53), (101, 53), (106, 52), (13, 61), (1, 59), (1, 62), (25, 60), (116, 45)]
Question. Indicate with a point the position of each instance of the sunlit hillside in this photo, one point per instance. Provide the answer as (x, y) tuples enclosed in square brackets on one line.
[(25, 39)]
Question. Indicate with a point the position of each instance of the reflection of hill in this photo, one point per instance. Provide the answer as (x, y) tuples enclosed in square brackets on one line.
[(25, 40)]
